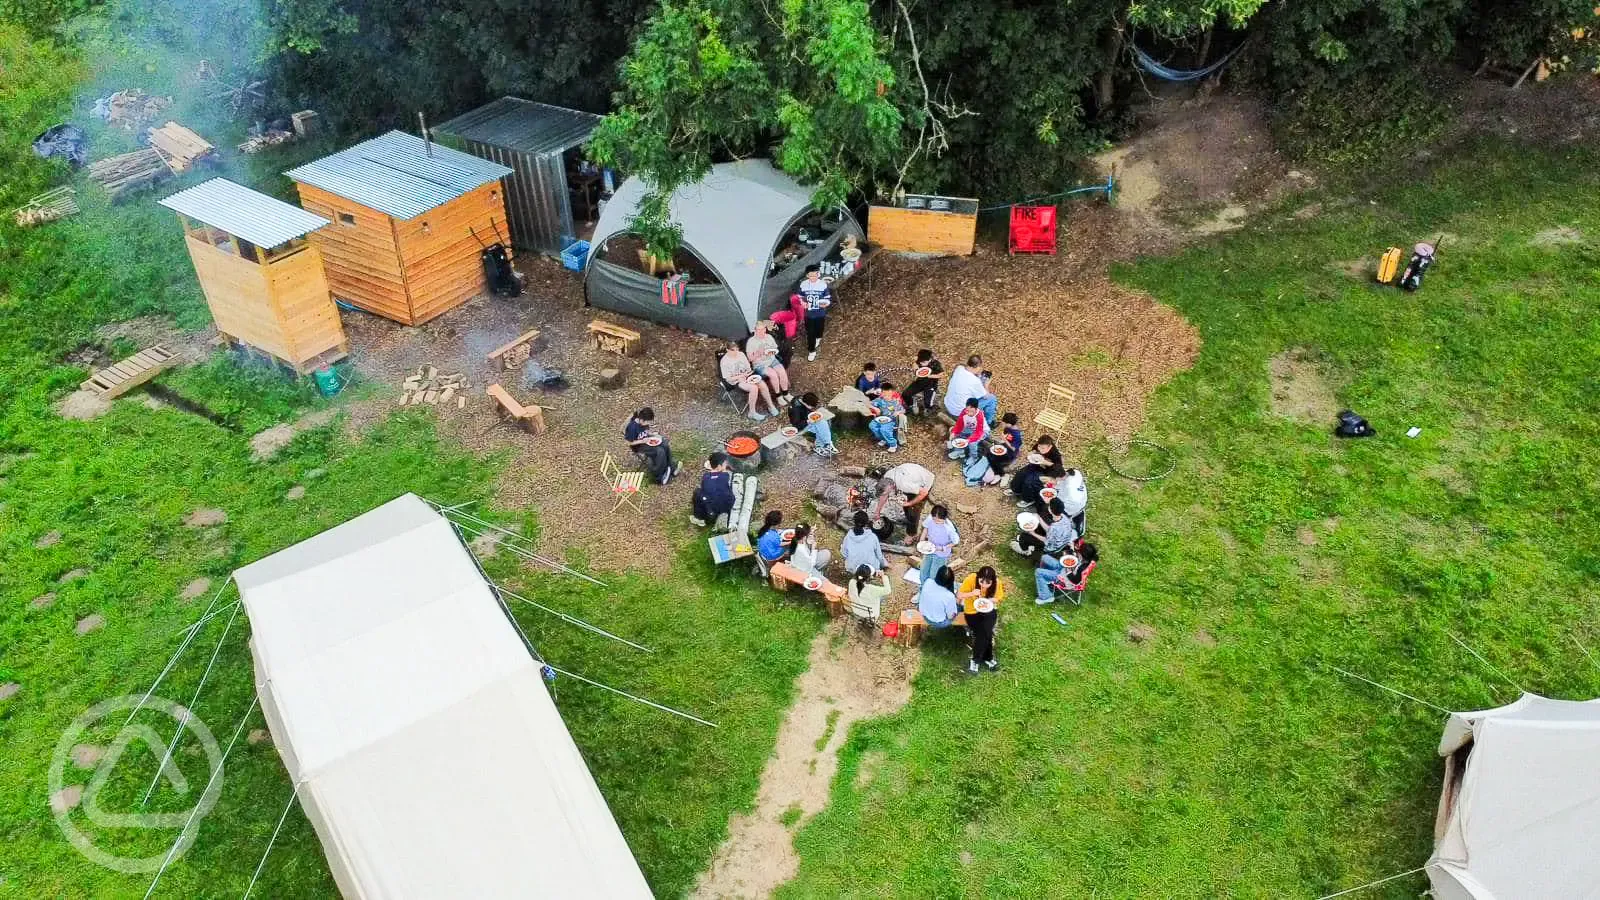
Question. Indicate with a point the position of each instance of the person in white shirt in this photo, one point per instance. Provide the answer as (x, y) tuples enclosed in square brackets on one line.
[(867, 595), (737, 372), (762, 350), (1074, 496), (806, 556), (968, 383)]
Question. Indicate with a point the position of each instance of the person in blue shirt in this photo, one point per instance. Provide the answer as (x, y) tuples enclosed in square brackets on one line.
[(867, 382), (936, 599), (715, 495), (769, 540), (639, 432), (817, 296)]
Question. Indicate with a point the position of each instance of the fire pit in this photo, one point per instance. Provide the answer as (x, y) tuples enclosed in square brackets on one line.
[(744, 451)]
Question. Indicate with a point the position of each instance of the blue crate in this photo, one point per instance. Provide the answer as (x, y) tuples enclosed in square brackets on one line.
[(576, 255)]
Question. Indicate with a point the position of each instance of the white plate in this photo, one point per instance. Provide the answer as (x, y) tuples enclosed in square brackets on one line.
[(883, 419), (814, 417), (812, 583), (924, 372), (787, 534), (789, 431), (958, 443), (652, 442), (1036, 459), (1047, 494), (1027, 521), (925, 547), (984, 604)]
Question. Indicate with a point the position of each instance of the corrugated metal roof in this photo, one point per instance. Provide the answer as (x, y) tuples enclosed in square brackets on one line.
[(261, 220), (393, 174), (523, 126)]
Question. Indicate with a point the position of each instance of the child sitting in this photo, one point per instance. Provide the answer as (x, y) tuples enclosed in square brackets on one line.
[(884, 426), (867, 382)]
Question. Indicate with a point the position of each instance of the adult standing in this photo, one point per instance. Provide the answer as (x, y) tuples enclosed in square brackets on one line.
[(909, 484), (861, 547), (651, 446), (714, 498), (968, 383), (817, 295), (980, 595), (1074, 495)]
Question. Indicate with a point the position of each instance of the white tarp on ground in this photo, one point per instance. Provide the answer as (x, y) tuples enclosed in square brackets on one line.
[(428, 753), (1525, 820)]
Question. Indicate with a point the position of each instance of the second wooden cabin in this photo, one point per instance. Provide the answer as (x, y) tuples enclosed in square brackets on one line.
[(410, 221)]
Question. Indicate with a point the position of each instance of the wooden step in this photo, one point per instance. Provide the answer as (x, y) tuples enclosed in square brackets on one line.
[(123, 376)]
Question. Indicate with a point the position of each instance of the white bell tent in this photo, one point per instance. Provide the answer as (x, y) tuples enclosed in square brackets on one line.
[(415, 725), (1519, 817)]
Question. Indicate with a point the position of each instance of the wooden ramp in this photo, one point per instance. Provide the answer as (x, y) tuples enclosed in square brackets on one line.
[(120, 378)]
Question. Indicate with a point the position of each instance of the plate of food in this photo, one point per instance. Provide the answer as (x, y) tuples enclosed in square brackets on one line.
[(958, 443), (984, 604), (812, 583), (814, 416), (787, 534), (924, 372), (788, 431), (1047, 494), (653, 440), (1037, 460), (1069, 562), (883, 420), (925, 547), (1027, 521), (997, 449), (752, 379), (850, 254)]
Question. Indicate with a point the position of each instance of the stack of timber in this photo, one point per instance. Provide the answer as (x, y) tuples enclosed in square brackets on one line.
[(180, 147), (426, 385), (131, 108), (48, 207), (122, 175), (272, 137)]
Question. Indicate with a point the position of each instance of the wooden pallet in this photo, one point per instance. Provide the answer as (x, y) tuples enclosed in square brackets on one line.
[(122, 377)]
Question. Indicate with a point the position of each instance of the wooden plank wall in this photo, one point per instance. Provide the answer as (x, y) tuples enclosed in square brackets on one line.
[(441, 257), (361, 260), (236, 291), (921, 231), (304, 306)]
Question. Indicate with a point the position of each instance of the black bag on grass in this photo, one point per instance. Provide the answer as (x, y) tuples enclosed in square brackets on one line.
[(1352, 425)]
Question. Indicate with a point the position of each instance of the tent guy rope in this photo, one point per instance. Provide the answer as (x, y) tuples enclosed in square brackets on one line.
[(188, 710), (1491, 665), (167, 861), (573, 620), (294, 794), (613, 690), (1372, 884), (173, 660), (1387, 688)]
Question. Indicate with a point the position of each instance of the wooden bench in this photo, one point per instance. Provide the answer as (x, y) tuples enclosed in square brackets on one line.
[(624, 485), (783, 574), (913, 626), (121, 377), (529, 418), (515, 352), (608, 336)]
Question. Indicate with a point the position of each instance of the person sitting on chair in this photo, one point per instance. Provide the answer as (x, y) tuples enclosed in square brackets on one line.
[(936, 599), (640, 432), (769, 540), (861, 548), (867, 595), (714, 498), (890, 413), (1044, 462), (1053, 576), (738, 373), (800, 417), (762, 351)]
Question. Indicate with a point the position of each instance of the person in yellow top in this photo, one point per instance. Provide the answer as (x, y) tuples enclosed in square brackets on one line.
[(980, 595)]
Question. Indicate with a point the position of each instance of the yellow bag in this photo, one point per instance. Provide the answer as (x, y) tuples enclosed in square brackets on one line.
[(1389, 265)]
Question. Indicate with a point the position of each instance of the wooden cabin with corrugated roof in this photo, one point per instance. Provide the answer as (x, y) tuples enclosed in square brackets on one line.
[(410, 220), (262, 279)]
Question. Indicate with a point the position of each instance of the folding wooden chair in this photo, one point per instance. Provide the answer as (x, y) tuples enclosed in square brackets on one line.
[(625, 486), (1057, 412)]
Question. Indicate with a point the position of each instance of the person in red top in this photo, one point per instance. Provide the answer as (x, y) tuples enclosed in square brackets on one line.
[(972, 427)]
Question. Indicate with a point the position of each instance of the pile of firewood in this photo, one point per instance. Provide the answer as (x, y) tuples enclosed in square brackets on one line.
[(121, 175), (426, 385), (131, 108), (47, 207), (180, 147), (269, 138)]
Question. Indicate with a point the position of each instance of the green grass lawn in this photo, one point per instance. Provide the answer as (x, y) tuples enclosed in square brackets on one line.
[(1092, 766)]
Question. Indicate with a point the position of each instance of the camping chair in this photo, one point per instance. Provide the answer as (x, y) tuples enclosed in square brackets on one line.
[(734, 396), (1074, 592), (865, 612), (1058, 403), (624, 485)]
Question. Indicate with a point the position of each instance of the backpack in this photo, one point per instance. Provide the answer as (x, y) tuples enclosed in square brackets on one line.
[(1352, 425)]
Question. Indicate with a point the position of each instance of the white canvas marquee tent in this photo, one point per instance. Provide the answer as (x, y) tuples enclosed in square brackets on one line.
[(1519, 818), (412, 718)]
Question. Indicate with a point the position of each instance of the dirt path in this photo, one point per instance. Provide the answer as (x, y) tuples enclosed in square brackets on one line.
[(852, 676)]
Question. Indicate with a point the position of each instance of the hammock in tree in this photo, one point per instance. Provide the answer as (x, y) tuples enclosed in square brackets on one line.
[(1148, 63)]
